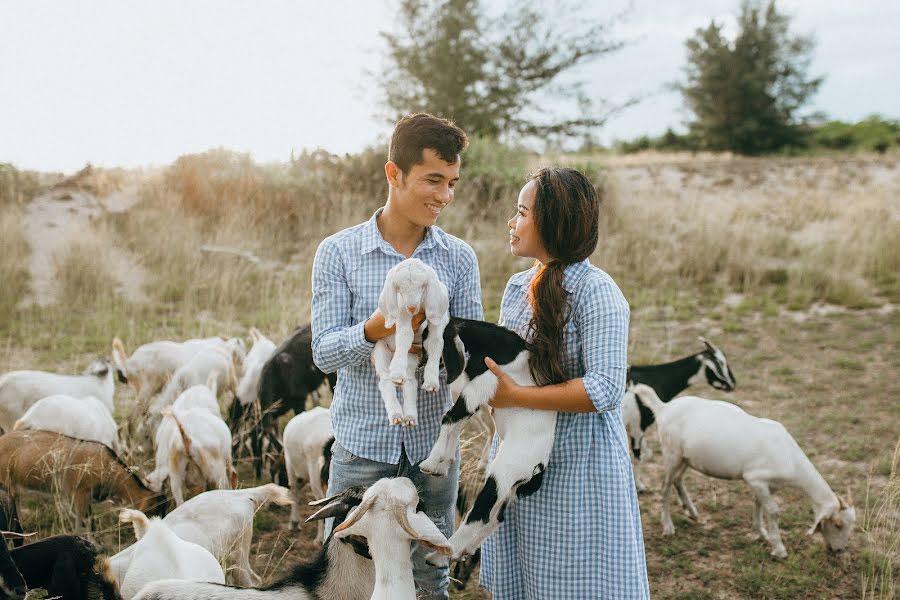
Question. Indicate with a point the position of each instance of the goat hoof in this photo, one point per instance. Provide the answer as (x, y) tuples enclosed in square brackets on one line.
[(409, 422), (437, 469), (430, 387), (396, 420), (668, 530), (779, 553)]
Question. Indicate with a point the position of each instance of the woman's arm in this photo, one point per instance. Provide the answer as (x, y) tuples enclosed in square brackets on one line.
[(568, 396)]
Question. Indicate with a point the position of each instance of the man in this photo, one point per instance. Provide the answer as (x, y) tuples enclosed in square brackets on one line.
[(348, 274)]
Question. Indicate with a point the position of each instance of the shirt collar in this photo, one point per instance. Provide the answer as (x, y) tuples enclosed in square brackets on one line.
[(372, 237)]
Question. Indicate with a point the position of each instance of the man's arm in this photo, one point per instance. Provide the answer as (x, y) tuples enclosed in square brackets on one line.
[(337, 343)]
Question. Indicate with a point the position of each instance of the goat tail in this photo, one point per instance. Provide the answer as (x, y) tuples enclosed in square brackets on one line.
[(272, 493), (138, 520), (648, 397), (168, 411), (101, 584)]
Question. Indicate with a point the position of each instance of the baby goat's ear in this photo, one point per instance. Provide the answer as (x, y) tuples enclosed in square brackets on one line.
[(387, 304), (437, 299)]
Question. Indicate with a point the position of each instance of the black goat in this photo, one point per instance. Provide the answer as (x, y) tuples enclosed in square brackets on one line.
[(12, 584), (68, 567), (287, 379), (668, 380)]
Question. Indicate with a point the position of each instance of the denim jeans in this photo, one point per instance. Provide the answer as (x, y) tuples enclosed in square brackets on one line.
[(437, 493)]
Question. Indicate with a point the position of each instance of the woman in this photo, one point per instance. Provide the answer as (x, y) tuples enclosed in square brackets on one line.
[(579, 536)]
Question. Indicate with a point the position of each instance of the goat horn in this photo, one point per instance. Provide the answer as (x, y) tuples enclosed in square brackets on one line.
[(399, 513), (16, 535), (357, 514)]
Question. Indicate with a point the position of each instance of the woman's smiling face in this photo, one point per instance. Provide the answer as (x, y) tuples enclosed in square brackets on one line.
[(524, 239)]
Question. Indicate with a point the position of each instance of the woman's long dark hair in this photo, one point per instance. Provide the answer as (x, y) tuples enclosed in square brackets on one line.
[(566, 215)]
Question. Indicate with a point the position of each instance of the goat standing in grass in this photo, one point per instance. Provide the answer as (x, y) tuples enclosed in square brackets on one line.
[(720, 440), (410, 287)]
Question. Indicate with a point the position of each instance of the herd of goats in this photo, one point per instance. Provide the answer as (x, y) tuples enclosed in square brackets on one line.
[(60, 438)]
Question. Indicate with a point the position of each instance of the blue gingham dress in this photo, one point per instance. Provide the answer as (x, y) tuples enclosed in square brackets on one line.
[(348, 274), (579, 536)]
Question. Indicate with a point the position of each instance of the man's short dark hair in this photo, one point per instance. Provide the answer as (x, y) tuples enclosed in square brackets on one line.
[(414, 133)]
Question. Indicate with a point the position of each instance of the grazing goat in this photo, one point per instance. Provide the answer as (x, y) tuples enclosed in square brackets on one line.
[(221, 360), (720, 440), (386, 516), (160, 554), (193, 448), (78, 471), (308, 438), (12, 584), (81, 418), (669, 380), (411, 286), (19, 390), (68, 567), (287, 378), (222, 522), (526, 436)]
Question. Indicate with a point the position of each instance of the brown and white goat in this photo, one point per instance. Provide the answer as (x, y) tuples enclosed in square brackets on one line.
[(76, 470)]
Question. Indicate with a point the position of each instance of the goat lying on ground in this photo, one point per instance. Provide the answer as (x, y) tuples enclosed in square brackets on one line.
[(307, 457), (19, 390), (386, 515), (411, 286), (160, 554), (12, 584), (81, 418), (222, 522), (68, 567), (193, 448), (287, 379), (720, 440), (526, 436), (668, 380), (78, 471)]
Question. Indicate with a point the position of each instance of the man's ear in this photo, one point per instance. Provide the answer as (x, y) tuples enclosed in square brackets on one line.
[(393, 173)]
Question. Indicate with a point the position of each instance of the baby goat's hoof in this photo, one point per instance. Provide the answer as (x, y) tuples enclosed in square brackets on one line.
[(398, 381), (429, 386), (396, 419), (409, 421), (435, 468)]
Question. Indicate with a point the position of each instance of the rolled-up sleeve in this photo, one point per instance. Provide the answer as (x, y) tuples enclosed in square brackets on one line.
[(465, 299), (337, 342), (601, 316)]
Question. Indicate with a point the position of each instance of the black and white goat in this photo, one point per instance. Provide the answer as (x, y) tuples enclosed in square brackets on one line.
[(526, 435), (287, 379), (68, 567), (377, 527), (668, 380)]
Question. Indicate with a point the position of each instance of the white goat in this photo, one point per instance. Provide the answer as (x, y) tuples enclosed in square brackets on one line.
[(201, 396), (410, 287), (19, 390), (306, 438), (81, 418), (386, 517), (193, 448), (160, 554), (222, 360), (151, 366), (260, 352), (220, 521), (719, 439)]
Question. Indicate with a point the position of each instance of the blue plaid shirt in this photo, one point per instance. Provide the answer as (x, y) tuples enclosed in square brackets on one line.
[(580, 535), (348, 274)]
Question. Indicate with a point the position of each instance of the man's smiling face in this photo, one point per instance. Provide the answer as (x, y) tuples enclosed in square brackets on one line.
[(423, 192)]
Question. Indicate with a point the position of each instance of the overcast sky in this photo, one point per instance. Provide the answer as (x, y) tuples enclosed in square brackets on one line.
[(122, 83)]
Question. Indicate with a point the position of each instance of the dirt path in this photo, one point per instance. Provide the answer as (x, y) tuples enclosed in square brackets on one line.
[(56, 219)]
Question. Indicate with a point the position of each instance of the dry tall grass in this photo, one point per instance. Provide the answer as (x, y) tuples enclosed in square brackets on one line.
[(881, 526)]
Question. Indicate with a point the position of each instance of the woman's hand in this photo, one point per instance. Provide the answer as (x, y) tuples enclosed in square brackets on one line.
[(507, 389)]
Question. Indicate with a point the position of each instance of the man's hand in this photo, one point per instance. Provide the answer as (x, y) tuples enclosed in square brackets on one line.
[(375, 330), (507, 389)]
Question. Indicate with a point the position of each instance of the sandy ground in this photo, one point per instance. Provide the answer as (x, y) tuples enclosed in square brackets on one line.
[(56, 219)]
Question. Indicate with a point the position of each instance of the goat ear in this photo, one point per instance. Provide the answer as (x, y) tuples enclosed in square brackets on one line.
[(838, 521), (427, 533), (437, 299), (387, 307)]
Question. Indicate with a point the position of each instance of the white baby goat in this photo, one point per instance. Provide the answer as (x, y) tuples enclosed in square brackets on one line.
[(81, 418), (410, 287), (19, 390), (160, 554), (720, 440)]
